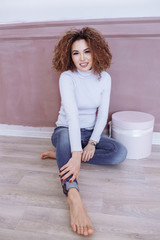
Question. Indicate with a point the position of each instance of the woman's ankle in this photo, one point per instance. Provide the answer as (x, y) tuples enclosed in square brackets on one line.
[(73, 194)]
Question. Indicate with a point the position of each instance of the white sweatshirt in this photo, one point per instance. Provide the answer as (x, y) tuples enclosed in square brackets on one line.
[(82, 94)]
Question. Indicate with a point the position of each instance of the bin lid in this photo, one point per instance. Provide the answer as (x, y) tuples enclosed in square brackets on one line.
[(132, 120)]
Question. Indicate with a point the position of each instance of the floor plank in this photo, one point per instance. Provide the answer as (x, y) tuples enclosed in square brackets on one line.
[(123, 201)]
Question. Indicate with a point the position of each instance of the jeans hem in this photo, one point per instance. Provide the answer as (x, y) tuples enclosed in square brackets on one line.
[(67, 185)]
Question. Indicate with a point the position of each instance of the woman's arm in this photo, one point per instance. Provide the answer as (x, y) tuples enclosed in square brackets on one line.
[(68, 101), (101, 120), (103, 109)]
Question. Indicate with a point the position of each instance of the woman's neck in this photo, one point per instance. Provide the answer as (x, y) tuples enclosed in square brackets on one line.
[(86, 73)]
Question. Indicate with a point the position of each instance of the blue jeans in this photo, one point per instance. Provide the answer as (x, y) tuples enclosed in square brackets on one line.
[(108, 151)]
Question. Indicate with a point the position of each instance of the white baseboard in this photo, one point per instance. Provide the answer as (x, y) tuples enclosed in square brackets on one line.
[(44, 132), (156, 138), (25, 131)]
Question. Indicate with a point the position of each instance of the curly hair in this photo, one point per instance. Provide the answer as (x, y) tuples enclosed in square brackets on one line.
[(62, 60)]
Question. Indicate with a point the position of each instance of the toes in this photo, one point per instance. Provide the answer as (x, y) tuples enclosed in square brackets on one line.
[(90, 230), (42, 156), (45, 154), (85, 231), (82, 230), (78, 229), (74, 227)]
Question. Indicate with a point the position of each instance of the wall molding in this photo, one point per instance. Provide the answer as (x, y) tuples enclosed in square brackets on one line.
[(123, 27), (44, 132)]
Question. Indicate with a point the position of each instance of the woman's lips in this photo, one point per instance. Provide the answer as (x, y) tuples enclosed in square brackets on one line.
[(83, 65)]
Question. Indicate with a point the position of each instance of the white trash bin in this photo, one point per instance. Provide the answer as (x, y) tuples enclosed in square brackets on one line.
[(134, 130)]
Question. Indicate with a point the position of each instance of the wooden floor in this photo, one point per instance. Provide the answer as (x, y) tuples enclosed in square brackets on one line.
[(123, 201)]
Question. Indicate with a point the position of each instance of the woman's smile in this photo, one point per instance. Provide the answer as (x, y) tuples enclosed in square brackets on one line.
[(83, 64), (81, 55)]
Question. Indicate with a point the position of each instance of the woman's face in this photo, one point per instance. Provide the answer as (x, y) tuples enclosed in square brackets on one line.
[(82, 56)]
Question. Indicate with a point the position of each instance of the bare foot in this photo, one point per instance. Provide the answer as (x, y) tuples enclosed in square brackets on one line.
[(48, 154), (80, 220)]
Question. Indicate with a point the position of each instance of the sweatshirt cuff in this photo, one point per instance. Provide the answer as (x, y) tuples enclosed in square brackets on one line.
[(95, 138)]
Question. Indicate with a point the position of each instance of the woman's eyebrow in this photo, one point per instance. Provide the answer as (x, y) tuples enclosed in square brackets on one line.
[(74, 50)]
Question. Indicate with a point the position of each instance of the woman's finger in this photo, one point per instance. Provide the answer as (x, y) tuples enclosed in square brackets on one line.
[(83, 155), (64, 171), (90, 155), (77, 176), (64, 177), (63, 167), (87, 155), (73, 178)]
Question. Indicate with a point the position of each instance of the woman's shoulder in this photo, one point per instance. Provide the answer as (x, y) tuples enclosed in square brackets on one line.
[(67, 73), (66, 79), (105, 78), (105, 75), (66, 76)]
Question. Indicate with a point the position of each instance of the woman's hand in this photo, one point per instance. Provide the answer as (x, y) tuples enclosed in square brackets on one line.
[(71, 168), (88, 152)]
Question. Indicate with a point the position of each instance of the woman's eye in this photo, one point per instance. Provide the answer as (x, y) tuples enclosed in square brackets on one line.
[(75, 53), (87, 51)]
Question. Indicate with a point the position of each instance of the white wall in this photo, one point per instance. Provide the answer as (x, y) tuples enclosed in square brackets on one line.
[(13, 11)]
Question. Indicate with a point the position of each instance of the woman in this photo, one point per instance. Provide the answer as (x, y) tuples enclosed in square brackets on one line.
[(82, 57)]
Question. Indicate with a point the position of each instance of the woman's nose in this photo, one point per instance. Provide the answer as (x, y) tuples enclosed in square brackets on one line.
[(82, 56)]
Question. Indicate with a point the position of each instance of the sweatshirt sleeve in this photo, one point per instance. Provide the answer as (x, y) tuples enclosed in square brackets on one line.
[(68, 101), (103, 109)]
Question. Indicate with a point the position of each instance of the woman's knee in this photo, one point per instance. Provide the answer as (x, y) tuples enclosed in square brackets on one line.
[(61, 137), (113, 152), (120, 154)]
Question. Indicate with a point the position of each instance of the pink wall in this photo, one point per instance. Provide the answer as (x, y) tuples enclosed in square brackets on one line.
[(29, 86)]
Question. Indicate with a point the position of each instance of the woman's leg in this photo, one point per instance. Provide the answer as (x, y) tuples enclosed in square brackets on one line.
[(60, 139), (80, 220), (108, 152)]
